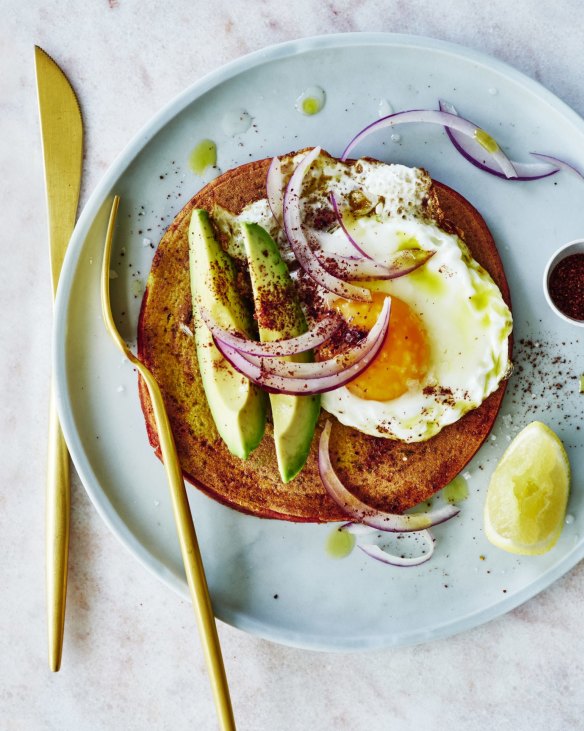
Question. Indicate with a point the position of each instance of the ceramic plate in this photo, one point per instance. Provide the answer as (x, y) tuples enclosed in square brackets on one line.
[(276, 579)]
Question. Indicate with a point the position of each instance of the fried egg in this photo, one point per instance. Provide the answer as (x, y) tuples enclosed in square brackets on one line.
[(446, 348)]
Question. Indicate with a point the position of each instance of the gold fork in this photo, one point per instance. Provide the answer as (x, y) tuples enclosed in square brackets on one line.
[(189, 546)]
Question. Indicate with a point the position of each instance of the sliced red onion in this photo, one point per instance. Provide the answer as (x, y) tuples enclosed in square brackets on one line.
[(363, 513), (300, 344), (304, 386), (476, 154), (352, 267), (559, 163), (298, 241), (349, 267), (274, 188), (339, 217), (431, 116), (380, 554), (402, 263), (332, 366)]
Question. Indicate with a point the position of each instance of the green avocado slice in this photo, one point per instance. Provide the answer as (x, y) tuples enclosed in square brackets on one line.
[(238, 406), (280, 316)]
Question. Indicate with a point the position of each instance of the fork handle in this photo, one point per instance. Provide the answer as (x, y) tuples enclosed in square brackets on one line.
[(192, 560), (58, 507)]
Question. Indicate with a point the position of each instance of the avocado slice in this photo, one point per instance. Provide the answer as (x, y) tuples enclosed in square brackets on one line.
[(238, 406), (280, 316)]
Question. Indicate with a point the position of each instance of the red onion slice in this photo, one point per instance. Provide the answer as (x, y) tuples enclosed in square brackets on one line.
[(402, 263), (363, 513), (348, 267), (299, 243), (274, 188), (476, 154), (559, 163), (380, 554), (332, 366), (304, 386), (356, 268), (339, 217), (431, 116), (300, 344)]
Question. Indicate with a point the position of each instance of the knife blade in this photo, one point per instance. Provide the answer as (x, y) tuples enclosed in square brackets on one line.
[(62, 141)]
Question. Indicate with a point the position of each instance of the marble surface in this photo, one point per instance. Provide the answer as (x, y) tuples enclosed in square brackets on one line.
[(132, 658)]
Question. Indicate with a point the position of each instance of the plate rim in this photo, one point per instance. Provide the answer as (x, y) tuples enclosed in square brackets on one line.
[(91, 209)]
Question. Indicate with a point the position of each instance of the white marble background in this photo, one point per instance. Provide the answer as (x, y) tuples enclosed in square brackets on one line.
[(132, 658)]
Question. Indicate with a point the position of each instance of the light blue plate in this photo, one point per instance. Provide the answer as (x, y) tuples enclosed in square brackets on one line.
[(323, 603)]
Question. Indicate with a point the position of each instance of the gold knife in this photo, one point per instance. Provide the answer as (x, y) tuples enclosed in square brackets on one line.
[(62, 137)]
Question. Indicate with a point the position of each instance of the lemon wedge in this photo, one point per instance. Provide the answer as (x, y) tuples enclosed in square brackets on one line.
[(528, 492)]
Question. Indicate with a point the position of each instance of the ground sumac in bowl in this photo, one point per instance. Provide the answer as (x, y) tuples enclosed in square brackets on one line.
[(566, 286)]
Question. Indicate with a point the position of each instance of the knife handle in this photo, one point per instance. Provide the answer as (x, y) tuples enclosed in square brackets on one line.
[(58, 508)]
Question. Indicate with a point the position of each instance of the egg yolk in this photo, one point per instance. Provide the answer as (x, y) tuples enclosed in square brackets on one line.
[(404, 356)]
